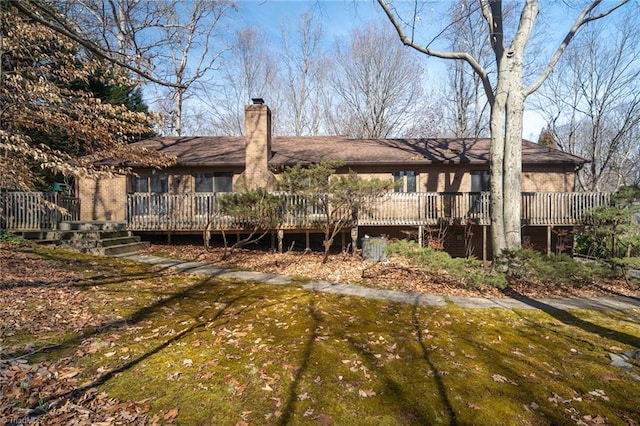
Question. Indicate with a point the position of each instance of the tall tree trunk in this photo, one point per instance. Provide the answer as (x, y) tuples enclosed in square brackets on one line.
[(177, 112), (513, 169), (496, 166)]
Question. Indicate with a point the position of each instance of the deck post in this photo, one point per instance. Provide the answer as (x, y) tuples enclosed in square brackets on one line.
[(421, 236), (484, 244), (306, 241), (343, 240), (280, 239), (549, 240), (273, 241), (354, 239)]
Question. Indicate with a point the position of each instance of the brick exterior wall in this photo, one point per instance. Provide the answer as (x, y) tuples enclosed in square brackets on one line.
[(102, 199), (257, 125)]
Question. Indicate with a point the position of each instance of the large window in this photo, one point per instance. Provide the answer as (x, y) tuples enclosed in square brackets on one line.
[(147, 186), (214, 182), (479, 181), (404, 181), (157, 183), (208, 183)]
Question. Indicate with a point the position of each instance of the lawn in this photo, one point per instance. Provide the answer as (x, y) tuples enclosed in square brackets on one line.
[(91, 339)]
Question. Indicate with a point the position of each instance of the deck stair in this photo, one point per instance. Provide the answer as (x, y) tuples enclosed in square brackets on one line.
[(96, 237)]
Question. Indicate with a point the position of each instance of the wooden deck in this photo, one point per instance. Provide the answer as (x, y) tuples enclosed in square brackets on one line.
[(192, 212), (20, 211), (35, 211)]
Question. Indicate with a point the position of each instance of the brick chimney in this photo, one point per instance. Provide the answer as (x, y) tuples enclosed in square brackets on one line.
[(257, 133)]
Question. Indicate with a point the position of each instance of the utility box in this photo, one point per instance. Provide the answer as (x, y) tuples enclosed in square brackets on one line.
[(59, 186), (374, 249)]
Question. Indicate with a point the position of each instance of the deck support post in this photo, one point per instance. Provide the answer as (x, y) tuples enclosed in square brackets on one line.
[(484, 243), (307, 245), (343, 240), (421, 236), (549, 240), (354, 239), (280, 239), (273, 241), (169, 238)]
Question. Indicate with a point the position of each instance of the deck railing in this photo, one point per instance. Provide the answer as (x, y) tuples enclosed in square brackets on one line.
[(34, 211), (185, 212)]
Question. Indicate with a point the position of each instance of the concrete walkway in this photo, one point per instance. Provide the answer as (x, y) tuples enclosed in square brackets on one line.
[(600, 303)]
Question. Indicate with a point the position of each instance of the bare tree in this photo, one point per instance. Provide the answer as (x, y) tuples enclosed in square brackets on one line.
[(191, 29), (304, 73), (592, 104), (166, 42), (466, 106), (250, 72), (377, 86), (506, 92)]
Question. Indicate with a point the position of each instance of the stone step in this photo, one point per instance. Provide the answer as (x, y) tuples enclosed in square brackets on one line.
[(90, 235), (103, 242), (92, 226), (125, 248)]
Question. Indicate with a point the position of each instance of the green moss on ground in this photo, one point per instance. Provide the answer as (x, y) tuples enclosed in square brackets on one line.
[(224, 352)]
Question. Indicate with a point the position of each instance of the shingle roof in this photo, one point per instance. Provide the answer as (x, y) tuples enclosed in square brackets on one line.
[(289, 150)]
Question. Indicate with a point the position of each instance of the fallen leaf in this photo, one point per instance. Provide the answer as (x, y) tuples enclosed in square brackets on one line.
[(366, 393), (325, 420), (498, 378), (171, 414)]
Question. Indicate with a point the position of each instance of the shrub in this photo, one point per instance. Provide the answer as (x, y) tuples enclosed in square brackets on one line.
[(553, 268), (469, 271)]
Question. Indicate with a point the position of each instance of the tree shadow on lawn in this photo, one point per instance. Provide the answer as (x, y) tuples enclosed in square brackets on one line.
[(242, 301), (570, 319), (289, 406), (148, 270), (395, 392)]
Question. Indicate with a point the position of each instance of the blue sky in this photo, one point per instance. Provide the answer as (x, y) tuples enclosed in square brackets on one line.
[(339, 17)]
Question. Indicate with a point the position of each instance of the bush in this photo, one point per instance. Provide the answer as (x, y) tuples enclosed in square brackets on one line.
[(9, 238), (529, 264), (553, 268), (469, 271)]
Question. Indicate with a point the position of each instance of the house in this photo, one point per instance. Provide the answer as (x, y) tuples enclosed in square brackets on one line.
[(440, 193)]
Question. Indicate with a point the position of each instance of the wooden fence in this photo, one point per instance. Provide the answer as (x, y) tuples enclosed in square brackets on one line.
[(34, 211), (186, 212)]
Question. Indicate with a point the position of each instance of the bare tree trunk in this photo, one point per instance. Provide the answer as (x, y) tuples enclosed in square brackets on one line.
[(513, 170), (498, 231), (177, 112)]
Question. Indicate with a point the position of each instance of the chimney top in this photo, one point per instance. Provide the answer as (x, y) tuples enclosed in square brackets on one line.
[(257, 101)]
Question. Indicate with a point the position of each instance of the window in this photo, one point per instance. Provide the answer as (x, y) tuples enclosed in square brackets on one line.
[(214, 182), (207, 183), (479, 204), (157, 183), (149, 190), (140, 184), (404, 181), (480, 181)]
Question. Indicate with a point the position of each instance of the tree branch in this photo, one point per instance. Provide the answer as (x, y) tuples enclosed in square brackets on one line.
[(478, 69), (58, 25), (581, 20)]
